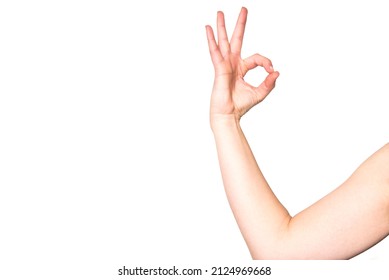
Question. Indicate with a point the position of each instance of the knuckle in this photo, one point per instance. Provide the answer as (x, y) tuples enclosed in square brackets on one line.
[(257, 57), (260, 59)]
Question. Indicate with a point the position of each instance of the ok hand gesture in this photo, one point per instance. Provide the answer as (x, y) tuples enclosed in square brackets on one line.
[(231, 95)]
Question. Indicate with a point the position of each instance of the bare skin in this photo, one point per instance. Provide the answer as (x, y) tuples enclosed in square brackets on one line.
[(341, 225)]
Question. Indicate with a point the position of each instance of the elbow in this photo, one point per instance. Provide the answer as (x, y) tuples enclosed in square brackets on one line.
[(281, 255), (282, 248), (278, 250), (263, 255), (275, 248)]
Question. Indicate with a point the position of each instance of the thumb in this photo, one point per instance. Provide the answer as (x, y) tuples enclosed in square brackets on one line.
[(267, 85)]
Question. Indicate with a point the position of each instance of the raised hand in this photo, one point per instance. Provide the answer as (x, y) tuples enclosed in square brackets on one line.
[(231, 95)]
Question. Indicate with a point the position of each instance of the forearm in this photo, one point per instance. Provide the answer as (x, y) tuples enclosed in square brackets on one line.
[(261, 217)]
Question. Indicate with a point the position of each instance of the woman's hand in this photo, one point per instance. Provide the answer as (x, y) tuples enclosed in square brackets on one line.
[(231, 95)]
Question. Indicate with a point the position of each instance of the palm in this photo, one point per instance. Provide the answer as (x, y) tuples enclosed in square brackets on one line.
[(231, 94)]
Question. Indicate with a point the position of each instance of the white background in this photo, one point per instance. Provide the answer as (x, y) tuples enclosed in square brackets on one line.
[(106, 155)]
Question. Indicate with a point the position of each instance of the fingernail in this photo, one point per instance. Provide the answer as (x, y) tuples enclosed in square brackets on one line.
[(271, 68)]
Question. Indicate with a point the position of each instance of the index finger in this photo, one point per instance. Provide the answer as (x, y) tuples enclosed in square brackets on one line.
[(237, 36), (258, 60)]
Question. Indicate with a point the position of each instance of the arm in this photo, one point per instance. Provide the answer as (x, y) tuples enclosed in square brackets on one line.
[(260, 216), (349, 220), (341, 225)]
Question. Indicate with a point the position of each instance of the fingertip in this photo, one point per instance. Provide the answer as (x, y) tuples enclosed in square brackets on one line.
[(220, 18), (270, 80), (243, 13), (209, 30), (268, 65), (275, 75)]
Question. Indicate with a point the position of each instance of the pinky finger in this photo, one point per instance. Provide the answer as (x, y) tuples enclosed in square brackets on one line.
[(214, 50)]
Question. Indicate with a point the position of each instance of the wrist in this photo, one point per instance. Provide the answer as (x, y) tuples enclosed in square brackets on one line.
[(223, 121)]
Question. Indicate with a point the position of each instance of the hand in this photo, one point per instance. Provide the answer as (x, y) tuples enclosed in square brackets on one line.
[(231, 95)]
